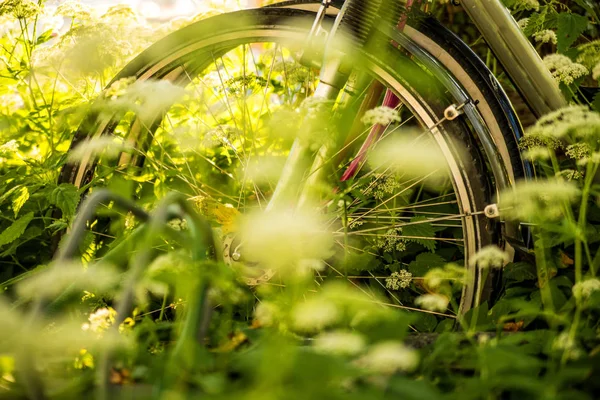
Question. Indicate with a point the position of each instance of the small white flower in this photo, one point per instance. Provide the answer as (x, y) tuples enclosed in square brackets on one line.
[(523, 23), (545, 36), (381, 116), (432, 302), (315, 314), (265, 313), (339, 343), (564, 342), (584, 289), (490, 257), (178, 224), (100, 320), (110, 146), (74, 9), (398, 280), (537, 154), (9, 147), (392, 240), (11, 101), (388, 358)]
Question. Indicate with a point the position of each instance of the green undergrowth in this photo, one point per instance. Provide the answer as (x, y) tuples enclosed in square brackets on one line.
[(149, 309)]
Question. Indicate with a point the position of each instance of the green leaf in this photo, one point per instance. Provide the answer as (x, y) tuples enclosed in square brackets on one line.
[(570, 27), (19, 200), (425, 323), (424, 262), (44, 37), (65, 197), (519, 272), (536, 22), (423, 230), (596, 103), (588, 7), (15, 231)]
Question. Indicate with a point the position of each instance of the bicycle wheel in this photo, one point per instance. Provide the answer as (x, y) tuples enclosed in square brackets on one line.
[(241, 70)]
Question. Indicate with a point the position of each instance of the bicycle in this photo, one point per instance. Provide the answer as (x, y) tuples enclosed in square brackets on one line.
[(467, 105)]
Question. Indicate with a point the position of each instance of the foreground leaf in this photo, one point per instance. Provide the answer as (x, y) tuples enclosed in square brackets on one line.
[(15, 231)]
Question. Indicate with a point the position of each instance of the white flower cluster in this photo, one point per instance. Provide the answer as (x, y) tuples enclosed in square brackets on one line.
[(433, 302), (315, 314), (265, 313), (563, 69), (576, 121), (564, 342), (110, 146), (178, 224), (381, 116), (392, 240), (388, 358), (538, 201), (19, 8), (385, 187), (523, 23), (100, 320), (545, 36), (584, 289), (10, 102), (74, 9), (339, 343), (9, 147), (398, 280), (490, 257)]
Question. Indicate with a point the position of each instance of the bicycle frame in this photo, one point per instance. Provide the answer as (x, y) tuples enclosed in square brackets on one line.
[(518, 57)]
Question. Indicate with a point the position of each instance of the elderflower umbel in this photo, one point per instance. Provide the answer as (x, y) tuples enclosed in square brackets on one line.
[(545, 36), (392, 240), (578, 151), (433, 302), (398, 280), (570, 174), (389, 357), (339, 343), (563, 69), (584, 289), (19, 8), (537, 201), (314, 314), (490, 257), (575, 121), (381, 116)]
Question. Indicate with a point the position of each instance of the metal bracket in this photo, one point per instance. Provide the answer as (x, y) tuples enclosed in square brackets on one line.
[(453, 111), (491, 211)]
